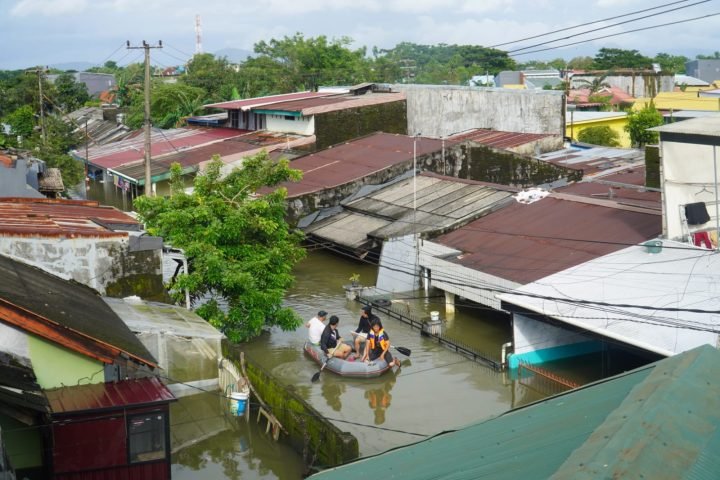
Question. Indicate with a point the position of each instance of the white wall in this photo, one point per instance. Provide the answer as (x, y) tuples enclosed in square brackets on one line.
[(300, 125), (686, 169), (398, 270), (530, 335)]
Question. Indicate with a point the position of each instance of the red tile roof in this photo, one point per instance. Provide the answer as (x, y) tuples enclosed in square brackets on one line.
[(59, 218), (354, 160), (248, 103), (524, 243), (499, 139), (108, 396)]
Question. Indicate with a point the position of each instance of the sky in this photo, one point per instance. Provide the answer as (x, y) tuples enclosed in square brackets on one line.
[(47, 32)]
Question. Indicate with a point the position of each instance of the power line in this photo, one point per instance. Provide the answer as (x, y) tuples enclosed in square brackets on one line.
[(607, 26), (620, 33), (588, 23)]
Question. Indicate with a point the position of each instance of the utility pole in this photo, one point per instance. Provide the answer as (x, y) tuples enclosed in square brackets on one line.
[(40, 71), (148, 175)]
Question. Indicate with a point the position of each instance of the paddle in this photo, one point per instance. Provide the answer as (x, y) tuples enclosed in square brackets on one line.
[(316, 377), (403, 350)]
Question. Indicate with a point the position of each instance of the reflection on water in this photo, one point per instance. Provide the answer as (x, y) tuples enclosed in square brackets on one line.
[(379, 398)]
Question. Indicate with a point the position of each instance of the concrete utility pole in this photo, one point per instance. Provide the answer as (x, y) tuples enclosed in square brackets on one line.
[(40, 71), (148, 175)]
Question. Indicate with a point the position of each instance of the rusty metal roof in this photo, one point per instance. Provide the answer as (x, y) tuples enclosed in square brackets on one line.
[(621, 194), (524, 243), (594, 160), (317, 105), (108, 396), (499, 139), (256, 102), (46, 217), (352, 161)]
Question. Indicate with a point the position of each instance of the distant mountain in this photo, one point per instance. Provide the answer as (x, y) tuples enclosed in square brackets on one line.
[(234, 55), (79, 66)]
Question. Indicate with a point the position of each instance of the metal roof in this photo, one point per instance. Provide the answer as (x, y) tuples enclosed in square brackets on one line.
[(256, 102), (593, 160), (582, 116), (708, 126), (689, 81), (318, 105), (442, 204), (524, 243), (352, 161), (64, 312), (679, 276), (658, 421), (46, 217), (499, 139), (108, 396), (622, 194), (163, 142)]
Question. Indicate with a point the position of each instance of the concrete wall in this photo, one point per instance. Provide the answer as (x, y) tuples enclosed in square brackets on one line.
[(106, 265), (299, 125), (641, 84), (708, 70), (398, 270), (437, 111)]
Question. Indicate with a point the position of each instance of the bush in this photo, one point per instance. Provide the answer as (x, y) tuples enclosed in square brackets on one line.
[(602, 135)]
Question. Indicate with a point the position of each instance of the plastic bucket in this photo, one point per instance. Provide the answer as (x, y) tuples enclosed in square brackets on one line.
[(435, 316), (238, 402)]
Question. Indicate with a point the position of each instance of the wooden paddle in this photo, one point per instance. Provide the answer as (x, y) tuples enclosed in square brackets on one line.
[(403, 350), (316, 377)]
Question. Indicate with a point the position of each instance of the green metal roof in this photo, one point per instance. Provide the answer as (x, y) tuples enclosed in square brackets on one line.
[(660, 421)]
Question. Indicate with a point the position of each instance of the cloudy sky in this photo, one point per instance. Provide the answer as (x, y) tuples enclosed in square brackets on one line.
[(46, 32)]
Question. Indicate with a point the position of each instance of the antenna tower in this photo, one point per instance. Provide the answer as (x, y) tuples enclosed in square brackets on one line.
[(198, 35)]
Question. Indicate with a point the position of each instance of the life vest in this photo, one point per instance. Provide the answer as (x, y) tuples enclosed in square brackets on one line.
[(378, 341)]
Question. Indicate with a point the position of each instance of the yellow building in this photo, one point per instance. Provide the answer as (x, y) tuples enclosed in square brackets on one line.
[(687, 100), (577, 121)]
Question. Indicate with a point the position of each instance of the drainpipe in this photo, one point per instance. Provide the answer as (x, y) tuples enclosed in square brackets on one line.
[(505, 346)]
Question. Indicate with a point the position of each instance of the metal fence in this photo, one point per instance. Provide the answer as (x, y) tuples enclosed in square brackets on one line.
[(543, 380)]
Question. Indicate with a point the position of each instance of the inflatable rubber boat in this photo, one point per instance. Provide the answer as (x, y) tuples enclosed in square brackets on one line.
[(346, 368)]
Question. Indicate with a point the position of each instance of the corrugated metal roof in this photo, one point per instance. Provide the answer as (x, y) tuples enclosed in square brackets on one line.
[(77, 309), (355, 160), (499, 139), (709, 126), (594, 159), (678, 276), (249, 103), (314, 106), (659, 421), (60, 218), (108, 396), (524, 243), (624, 195)]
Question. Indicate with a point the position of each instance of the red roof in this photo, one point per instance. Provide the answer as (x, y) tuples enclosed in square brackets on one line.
[(355, 160), (132, 149), (628, 196), (248, 103), (313, 106), (60, 218), (524, 243), (617, 96), (499, 139), (108, 396)]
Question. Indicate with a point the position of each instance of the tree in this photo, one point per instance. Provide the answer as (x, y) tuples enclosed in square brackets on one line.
[(671, 63), (21, 121), (596, 84), (70, 94), (640, 121), (61, 138), (209, 73), (172, 103), (241, 250), (714, 56), (581, 63), (614, 58), (600, 135)]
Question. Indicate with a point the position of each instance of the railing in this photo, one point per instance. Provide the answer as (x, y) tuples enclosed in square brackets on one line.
[(543, 380)]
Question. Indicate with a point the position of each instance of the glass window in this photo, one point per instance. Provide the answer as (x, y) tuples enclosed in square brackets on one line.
[(146, 437)]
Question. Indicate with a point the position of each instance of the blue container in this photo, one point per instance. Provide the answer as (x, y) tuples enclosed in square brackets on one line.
[(238, 403)]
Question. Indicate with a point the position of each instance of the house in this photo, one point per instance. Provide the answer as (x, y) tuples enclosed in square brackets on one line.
[(95, 82), (20, 174), (98, 126), (72, 370), (330, 116), (707, 70), (585, 99), (686, 81), (675, 101), (628, 426), (690, 151), (637, 83), (79, 240), (577, 121)]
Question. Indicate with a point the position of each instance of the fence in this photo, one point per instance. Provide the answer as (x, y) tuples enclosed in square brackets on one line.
[(543, 380)]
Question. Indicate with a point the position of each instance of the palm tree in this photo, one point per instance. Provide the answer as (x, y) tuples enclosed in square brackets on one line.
[(596, 84)]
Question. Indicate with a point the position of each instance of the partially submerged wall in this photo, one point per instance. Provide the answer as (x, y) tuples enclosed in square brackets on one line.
[(438, 111), (308, 431)]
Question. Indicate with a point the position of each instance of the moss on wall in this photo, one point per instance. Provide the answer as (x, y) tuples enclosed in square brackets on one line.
[(652, 166), (506, 168), (138, 273), (336, 127), (309, 433)]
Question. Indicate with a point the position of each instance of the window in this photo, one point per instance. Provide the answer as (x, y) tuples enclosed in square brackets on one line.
[(146, 437), (289, 117)]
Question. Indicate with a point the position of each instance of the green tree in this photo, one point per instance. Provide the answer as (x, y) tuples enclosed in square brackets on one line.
[(21, 121), (581, 63), (671, 63), (211, 74), (172, 103), (640, 121), (595, 84), (61, 138), (600, 135), (70, 94), (714, 56), (241, 250), (614, 58)]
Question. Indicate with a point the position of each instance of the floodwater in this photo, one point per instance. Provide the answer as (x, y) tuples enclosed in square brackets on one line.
[(434, 390)]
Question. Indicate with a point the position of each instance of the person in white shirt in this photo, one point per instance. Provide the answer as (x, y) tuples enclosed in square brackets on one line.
[(315, 326)]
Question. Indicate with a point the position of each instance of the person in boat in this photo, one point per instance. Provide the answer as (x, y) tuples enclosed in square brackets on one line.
[(378, 345), (330, 339), (361, 332), (315, 327)]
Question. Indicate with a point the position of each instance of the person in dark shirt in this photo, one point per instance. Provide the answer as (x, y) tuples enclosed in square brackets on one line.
[(330, 339), (366, 319)]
